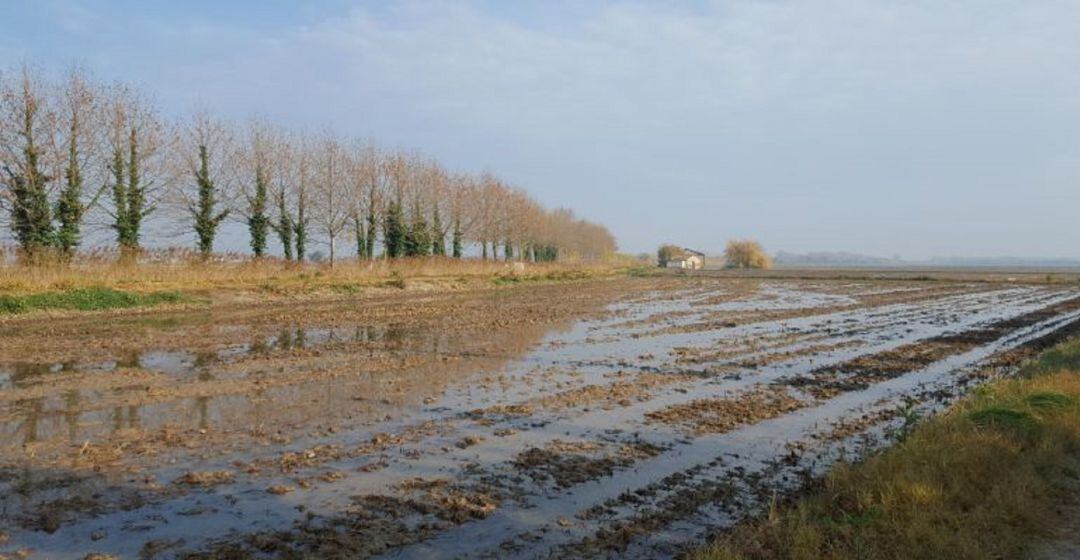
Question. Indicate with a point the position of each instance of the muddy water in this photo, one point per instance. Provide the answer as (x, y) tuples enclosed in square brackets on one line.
[(615, 425), (79, 413)]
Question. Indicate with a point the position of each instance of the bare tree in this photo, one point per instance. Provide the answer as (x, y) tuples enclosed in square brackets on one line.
[(139, 144), (27, 134), (464, 215), (208, 152), (66, 145), (332, 202), (301, 188), (259, 173), (394, 227), (80, 146), (364, 179), (375, 179), (439, 200)]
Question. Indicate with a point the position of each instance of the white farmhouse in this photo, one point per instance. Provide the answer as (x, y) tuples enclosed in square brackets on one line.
[(690, 260)]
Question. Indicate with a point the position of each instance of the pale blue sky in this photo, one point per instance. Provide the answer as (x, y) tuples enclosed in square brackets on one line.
[(916, 128)]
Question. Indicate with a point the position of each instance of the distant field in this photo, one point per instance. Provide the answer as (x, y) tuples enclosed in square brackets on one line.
[(974, 274)]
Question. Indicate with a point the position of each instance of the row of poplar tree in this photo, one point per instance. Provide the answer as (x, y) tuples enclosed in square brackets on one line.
[(76, 153)]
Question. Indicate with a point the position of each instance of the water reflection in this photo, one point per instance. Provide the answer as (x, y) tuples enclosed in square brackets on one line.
[(203, 362), (24, 374), (72, 400), (366, 371), (31, 411), (21, 374), (125, 417)]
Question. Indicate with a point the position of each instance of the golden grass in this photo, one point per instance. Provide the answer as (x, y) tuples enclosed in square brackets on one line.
[(278, 277), (982, 480)]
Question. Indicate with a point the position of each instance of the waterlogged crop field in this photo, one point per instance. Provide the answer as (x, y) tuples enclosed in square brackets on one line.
[(627, 418)]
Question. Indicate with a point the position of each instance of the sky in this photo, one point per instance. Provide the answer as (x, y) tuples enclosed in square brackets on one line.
[(914, 128)]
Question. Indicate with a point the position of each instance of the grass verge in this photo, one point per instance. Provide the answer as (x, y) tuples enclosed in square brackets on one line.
[(275, 277), (982, 480), (84, 299)]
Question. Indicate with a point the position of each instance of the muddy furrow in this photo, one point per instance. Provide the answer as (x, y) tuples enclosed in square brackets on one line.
[(575, 448), (529, 520), (630, 512)]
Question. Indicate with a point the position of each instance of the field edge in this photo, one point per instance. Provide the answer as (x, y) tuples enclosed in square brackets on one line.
[(987, 478)]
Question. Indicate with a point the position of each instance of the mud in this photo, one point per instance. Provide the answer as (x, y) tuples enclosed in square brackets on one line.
[(717, 416), (862, 371), (628, 418), (570, 463)]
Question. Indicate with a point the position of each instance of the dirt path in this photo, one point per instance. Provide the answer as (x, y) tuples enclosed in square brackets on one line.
[(627, 417)]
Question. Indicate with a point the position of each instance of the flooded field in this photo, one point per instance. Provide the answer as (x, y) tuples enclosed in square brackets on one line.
[(624, 418)]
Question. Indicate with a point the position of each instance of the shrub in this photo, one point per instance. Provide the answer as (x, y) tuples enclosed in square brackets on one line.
[(667, 253), (746, 253)]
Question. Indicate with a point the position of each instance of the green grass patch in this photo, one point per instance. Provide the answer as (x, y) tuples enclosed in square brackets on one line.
[(1063, 357), (346, 288), (1049, 400), (848, 519), (554, 276), (85, 299), (510, 280), (646, 271), (1004, 418)]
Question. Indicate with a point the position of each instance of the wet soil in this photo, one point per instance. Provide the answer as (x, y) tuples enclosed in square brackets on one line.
[(722, 415), (628, 417)]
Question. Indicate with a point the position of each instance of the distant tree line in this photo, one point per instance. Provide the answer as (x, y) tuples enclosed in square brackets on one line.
[(75, 147)]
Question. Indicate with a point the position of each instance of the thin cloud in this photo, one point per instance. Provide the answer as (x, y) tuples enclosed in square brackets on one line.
[(917, 128)]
